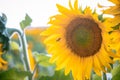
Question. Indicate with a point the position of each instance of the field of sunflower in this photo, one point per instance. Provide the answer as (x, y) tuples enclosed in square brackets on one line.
[(79, 44)]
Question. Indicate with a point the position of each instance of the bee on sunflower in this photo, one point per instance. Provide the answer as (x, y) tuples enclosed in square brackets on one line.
[(76, 40)]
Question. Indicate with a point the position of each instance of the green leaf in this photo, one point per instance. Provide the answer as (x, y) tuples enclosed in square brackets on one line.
[(45, 68), (96, 77), (100, 17), (42, 59), (116, 73), (26, 22), (13, 74), (14, 46), (46, 71), (59, 75)]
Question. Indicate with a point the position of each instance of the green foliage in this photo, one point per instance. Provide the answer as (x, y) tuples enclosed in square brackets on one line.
[(26, 22), (13, 74), (59, 75), (14, 46), (46, 71), (44, 67), (116, 73), (100, 17), (37, 45), (13, 57), (96, 77), (42, 59)]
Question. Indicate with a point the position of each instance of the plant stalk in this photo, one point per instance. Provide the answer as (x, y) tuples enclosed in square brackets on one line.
[(104, 76), (25, 57)]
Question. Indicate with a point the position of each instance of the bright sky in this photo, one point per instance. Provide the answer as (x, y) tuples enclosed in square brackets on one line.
[(38, 10)]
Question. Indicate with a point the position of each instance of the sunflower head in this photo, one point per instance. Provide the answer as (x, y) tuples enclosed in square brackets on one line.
[(80, 36), (75, 37)]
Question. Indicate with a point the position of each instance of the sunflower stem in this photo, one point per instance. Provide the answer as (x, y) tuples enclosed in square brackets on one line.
[(104, 76), (25, 53), (91, 76), (25, 58)]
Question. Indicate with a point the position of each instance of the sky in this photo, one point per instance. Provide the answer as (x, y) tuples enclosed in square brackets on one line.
[(38, 10)]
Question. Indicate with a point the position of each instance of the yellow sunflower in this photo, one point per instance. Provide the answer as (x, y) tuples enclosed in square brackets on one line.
[(115, 43), (115, 11), (113, 24), (3, 63), (76, 40)]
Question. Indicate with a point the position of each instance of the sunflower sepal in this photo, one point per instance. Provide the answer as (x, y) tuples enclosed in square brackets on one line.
[(116, 27), (100, 17)]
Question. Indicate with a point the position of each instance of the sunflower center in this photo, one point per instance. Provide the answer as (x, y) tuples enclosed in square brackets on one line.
[(83, 37)]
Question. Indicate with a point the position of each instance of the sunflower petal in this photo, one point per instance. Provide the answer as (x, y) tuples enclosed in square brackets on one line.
[(88, 11), (64, 10), (113, 10), (70, 5), (117, 2), (76, 5)]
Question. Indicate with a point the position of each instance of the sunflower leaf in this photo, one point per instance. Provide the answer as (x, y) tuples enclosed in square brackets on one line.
[(116, 73), (14, 46), (96, 77), (59, 75), (42, 59), (26, 22), (13, 74), (46, 71)]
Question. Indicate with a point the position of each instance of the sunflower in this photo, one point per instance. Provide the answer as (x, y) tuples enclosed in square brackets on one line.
[(114, 43), (76, 40), (4, 46), (3, 63), (115, 11), (113, 24)]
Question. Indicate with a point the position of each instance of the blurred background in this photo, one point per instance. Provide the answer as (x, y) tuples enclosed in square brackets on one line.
[(38, 10)]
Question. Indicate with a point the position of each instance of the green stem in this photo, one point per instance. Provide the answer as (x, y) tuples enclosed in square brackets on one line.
[(104, 76), (91, 76), (23, 42), (25, 53)]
